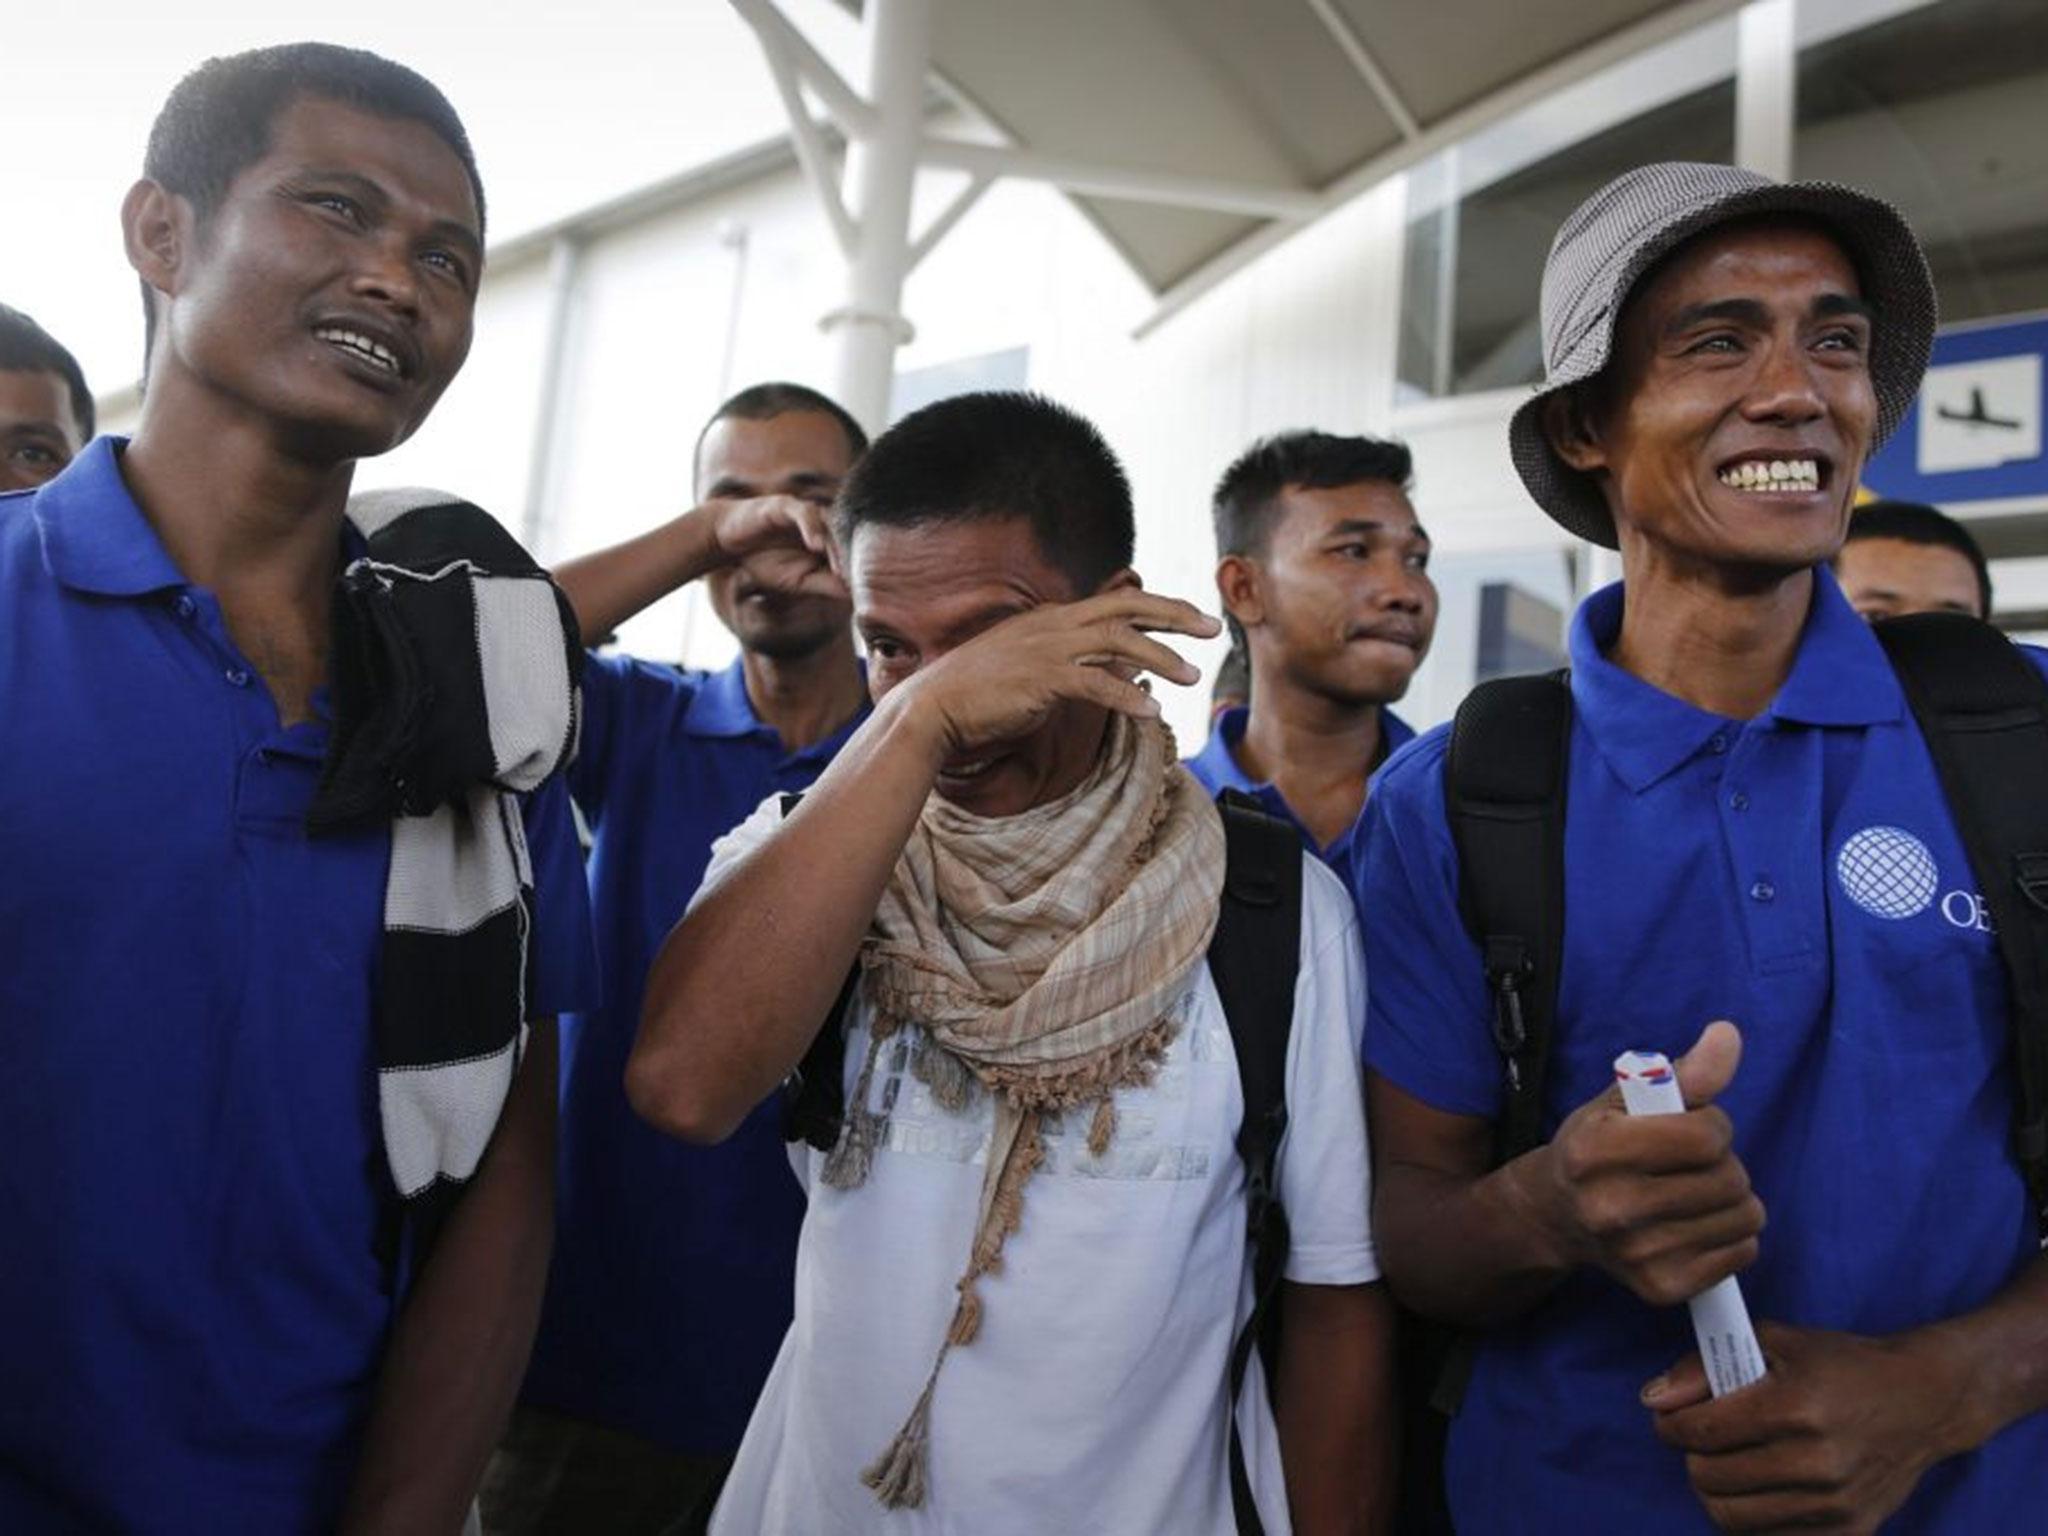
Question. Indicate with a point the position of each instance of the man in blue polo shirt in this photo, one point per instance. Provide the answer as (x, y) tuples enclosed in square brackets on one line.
[(46, 412), (674, 1265), (1761, 878), (1324, 571), (206, 1326)]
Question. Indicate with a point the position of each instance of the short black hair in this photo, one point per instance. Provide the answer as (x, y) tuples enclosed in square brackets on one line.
[(763, 402), (1916, 523), (1316, 461), (998, 455), (217, 121), (26, 347)]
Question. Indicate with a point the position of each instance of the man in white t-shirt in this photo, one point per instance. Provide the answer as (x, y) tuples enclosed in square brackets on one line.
[(1024, 1260)]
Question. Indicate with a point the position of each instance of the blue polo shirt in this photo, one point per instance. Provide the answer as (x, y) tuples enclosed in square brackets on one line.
[(192, 1173), (1799, 874), (674, 1272), (1217, 767)]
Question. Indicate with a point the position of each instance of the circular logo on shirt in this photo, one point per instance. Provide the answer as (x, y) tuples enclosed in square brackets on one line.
[(1888, 872)]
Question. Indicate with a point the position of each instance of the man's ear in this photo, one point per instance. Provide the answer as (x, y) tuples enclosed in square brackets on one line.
[(1123, 580), (1569, 422), (157, 229), (1237, 583)]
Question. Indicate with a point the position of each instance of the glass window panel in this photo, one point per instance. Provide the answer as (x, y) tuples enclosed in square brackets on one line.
[(1486, 249), (1941, 112)]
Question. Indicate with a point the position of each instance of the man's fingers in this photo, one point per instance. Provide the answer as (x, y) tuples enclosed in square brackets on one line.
[(1673, 1241), (1100, 686), (1720, 1195), (749, 527), (1683, 1386), (814, 528), (1773, 1467), (1676, 1278), (1646, 1145), (1762, 1413), (1705, 1071), (1139, 609), (1112, 644)]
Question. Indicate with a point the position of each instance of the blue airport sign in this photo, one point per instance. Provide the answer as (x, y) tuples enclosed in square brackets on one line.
[(1975, 433)]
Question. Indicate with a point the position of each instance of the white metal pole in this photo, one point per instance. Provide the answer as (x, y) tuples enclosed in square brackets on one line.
[(565, 260), (881, 173), (1766, 86)]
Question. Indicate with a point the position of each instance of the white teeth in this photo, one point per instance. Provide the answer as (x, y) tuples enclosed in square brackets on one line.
[(1775, 475), (363, 346)]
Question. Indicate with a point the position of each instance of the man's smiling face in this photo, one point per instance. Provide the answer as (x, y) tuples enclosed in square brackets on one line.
[(332, 292), (1731, 424)]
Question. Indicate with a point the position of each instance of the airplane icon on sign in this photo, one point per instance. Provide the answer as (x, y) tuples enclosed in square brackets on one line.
[(1978, 415)]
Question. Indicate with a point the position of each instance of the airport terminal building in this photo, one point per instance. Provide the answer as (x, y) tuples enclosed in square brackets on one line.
[(1200, 224)]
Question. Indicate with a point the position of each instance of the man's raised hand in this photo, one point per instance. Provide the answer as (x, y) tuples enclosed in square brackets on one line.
[(784, 543), (1003, 683)]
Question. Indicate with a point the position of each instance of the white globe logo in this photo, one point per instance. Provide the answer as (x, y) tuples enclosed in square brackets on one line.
[(1888, 872)]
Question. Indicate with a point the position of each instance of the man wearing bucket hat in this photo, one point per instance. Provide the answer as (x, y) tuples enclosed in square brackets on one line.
[(1753, 834)]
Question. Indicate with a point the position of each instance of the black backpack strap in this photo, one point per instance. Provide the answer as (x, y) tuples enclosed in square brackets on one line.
[(1504, 794), (1254, 959), (1504, 790), (814, 1095), (1984, 710)]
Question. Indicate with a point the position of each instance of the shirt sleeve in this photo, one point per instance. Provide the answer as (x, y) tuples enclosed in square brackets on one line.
[(1325, 1165), (742, 840), (564, 955), (1426, 1028), (604, 679)]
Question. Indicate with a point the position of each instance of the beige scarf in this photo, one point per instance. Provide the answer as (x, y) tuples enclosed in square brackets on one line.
[(1041, 952)]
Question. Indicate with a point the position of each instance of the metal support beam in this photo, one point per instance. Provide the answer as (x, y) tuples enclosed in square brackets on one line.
[(882, 170), (565, 261), (843, 104), (869, 206), (950, 215), (1352, 46), (1766, 87), (1137, 186), (811, 153)]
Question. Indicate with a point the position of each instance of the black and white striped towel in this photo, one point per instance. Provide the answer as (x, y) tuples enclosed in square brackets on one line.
[(455, 666)]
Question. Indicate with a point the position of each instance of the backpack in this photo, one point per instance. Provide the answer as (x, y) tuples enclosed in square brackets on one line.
[(1258, 921), (1983, 709)]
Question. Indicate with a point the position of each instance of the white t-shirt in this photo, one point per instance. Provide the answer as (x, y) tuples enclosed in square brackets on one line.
[(1093, 1398)]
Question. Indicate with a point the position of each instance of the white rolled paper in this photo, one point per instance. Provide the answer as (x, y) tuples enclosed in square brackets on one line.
[(1720, 1321)]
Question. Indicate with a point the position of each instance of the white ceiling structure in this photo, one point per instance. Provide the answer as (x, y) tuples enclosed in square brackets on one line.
[(1193, 133)]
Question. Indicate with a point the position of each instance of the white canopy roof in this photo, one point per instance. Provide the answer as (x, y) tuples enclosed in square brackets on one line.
[(1287, 103)]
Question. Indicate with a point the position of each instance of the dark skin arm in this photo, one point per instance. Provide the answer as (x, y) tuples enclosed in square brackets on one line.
[(1842, 1428), (459, 1351), (1333, 1405), (727, 1015), (785, 539), (1662, 1204)]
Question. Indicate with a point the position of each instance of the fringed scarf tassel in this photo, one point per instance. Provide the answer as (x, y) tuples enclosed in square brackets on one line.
[(898, 1475), (852, 1157)]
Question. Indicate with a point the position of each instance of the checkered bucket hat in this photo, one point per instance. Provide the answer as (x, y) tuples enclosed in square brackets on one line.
[(1603, 250)]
